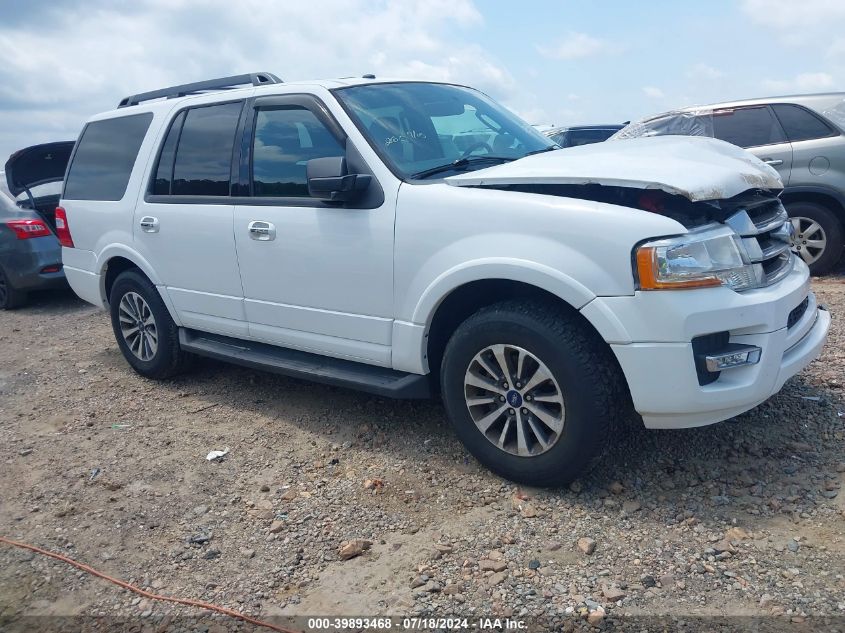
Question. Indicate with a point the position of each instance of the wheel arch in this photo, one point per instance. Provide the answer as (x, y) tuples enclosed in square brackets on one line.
[(829, 198), (117, 259), (465, 299)]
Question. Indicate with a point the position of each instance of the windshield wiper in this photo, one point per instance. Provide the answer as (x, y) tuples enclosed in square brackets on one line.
[(459, 163), (545, 149)]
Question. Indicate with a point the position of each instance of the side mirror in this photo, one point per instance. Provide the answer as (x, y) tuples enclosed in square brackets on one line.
[(329, 180)]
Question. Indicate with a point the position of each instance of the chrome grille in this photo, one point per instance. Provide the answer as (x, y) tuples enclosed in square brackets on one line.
[(764, 227)]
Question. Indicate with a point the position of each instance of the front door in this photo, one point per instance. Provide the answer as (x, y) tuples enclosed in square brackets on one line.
[(316, 276)]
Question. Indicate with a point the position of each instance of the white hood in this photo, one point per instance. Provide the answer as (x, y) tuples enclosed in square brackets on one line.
[(697, 168)]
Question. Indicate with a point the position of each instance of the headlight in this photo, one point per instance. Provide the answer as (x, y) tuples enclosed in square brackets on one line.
[(710, 256)]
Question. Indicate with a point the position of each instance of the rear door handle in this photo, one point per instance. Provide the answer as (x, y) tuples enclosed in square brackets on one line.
[(262, 231), (774, 162), (149, 224)]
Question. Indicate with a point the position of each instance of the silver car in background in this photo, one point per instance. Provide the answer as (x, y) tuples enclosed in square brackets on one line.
[(802, 137)]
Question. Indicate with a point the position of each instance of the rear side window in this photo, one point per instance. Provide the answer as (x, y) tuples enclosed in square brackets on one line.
[(203, 160), (104, 158), (799, 124), (285, 140), (747, 127), (163, 182)]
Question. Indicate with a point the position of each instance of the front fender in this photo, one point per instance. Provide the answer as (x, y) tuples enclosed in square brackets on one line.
[(525, 271)]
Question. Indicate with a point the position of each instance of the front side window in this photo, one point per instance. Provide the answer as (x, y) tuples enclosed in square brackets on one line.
[(799, 124), (419, 127), (286, 138), (104, 158), (747, 127), (203, 159)]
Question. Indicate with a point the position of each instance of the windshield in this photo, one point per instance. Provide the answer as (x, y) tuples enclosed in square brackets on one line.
[(416, 127)]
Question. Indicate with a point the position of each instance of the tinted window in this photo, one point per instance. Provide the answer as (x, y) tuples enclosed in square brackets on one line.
[(799, 124), (204, 155), (747, 127), (285, 140), (163, 183), (105, 155), (586, 137)]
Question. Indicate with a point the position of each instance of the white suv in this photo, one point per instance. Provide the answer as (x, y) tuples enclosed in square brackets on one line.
[(410, 238)]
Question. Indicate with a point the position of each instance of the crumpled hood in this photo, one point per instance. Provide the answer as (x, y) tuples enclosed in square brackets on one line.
[(697, 168)]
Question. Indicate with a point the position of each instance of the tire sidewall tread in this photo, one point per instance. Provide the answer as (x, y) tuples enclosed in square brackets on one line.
[(169, 359), (594, 395)]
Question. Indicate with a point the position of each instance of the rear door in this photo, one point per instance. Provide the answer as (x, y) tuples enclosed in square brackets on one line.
[(183, 224), (756, 129)]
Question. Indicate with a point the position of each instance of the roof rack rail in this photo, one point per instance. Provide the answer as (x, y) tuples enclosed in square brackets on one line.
[(223, 83)]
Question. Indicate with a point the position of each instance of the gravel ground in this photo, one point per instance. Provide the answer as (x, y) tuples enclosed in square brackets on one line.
[(743, 519)]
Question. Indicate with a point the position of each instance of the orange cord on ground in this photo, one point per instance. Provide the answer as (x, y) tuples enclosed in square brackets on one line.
[(153, 596)]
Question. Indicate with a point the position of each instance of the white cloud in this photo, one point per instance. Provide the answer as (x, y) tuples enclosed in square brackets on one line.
[(653, 92), (791, 15), (76, 60), (704, 71), (805, 82), (576, 46)]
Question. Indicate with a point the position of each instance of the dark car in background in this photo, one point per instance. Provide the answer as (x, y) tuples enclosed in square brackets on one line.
[(575, 135), (802, 137), (30, 253)]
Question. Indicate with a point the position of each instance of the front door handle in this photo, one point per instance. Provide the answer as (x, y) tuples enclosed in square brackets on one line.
[(774, 162), (262, 231), (149, 224)]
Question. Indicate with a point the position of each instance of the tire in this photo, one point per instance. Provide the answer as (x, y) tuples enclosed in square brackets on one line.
[(582, 367), (805, 214), (10, 297), (157, 354)]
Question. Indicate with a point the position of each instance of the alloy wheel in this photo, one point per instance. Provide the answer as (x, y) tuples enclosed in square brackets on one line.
[(138, 326), (809, 240), (514, 400)]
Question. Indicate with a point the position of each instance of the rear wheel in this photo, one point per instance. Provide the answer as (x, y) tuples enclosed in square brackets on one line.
[(818, 237), (143, 328), (531, 391), (10, 297)]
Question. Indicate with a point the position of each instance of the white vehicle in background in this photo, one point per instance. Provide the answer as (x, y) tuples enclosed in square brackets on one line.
[(411, 238)]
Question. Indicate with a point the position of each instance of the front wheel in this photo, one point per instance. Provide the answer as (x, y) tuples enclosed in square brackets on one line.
[(143, 328), (532, 392)]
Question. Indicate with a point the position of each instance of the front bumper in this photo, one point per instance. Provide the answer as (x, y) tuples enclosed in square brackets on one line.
[(661, 372)]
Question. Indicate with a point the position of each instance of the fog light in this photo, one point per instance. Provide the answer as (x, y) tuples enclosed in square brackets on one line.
[(733, 355)]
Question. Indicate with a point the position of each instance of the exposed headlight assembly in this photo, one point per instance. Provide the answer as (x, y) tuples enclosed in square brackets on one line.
[(712, 255)]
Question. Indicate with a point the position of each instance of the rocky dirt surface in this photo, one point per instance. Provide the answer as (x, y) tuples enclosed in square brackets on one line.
[(330, 502)]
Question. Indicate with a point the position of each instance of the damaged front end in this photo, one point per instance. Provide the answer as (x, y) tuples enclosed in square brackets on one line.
[(757, 218)]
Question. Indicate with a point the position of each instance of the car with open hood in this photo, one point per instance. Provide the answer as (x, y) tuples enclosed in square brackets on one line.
[(802, 137), (30, 253), (412, 239)]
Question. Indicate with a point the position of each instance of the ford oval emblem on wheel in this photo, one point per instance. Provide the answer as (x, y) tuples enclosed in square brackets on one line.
[(514, 399)]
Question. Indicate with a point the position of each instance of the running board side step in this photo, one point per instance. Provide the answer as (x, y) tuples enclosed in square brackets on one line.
[(380, 381)]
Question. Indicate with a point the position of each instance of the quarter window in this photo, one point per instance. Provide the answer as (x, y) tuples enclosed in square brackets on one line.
[(203, 160), (799, 124), (104, 158), (286, 138), (747, 127)]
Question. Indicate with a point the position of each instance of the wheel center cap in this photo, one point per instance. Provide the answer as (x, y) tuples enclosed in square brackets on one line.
[(514, 398)]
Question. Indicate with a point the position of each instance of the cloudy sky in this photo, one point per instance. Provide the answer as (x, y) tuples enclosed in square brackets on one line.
[(552, 61)]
